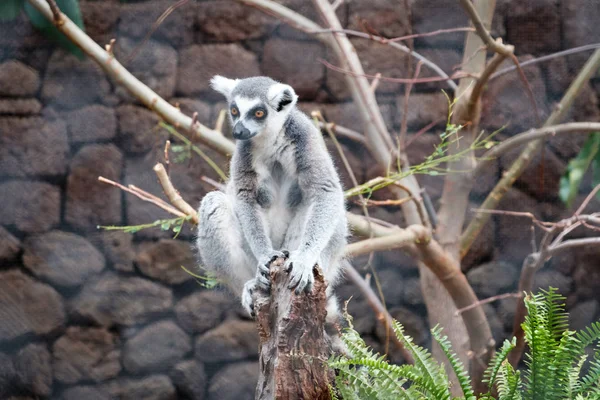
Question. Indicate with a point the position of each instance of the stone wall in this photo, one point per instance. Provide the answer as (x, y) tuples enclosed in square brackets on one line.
[(92, 314)]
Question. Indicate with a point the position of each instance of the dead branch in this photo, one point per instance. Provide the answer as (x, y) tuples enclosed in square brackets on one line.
[(140, 91), (383, 316), (378, 76), (548, 57), (172, 194), (521, 163), (344, 132), (533, 134), (293, 348), (396, 240), (488, 300), (551, 244), (144, 196), (480, 26)]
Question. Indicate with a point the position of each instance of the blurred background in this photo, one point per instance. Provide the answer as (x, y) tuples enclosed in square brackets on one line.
[(87, 313)]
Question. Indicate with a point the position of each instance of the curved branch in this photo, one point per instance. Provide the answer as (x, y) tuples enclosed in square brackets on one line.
[(521, 163), (534, 134), (396, 240), (172, 193), (140, 91)]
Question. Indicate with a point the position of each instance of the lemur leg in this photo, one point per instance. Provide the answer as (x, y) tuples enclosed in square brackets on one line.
[(222, 247)]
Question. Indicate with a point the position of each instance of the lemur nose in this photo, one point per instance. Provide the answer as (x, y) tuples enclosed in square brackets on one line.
[(240, 132)]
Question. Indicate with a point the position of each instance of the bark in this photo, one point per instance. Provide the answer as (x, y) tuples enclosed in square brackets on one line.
[(293, 345)]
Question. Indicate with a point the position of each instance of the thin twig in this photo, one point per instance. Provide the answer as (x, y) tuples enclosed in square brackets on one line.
[(58, 20), (345, 132), (153, 29), (143, 93), (212, 182), (387, 78), (398, 38), (404, 123), (220, 121), (521, 163), (153, 199), (533, 134), (382, 314), (548, 57), (487, 301), (167, 160), (588, 198), (172, 194)]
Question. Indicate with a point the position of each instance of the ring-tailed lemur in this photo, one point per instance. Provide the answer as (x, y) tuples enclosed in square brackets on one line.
[(284, 194)]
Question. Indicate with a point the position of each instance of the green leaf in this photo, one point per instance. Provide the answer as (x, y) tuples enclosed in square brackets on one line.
[(71, 9), (570, 181), (10, 9)]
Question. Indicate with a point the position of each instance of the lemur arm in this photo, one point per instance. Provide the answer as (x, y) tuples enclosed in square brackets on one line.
[(246, 206), (253, 228), (321, 185)]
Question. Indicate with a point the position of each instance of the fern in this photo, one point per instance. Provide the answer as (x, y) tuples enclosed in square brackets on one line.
[(491, 372), (554, 362), (463, 378), (509, 382)]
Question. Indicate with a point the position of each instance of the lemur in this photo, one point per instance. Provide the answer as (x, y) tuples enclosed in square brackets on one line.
[(283, 199)]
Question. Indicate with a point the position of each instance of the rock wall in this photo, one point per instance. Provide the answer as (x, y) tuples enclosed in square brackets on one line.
[(93, 314)]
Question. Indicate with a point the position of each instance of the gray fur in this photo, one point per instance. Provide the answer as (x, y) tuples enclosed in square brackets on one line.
[(283, 194)]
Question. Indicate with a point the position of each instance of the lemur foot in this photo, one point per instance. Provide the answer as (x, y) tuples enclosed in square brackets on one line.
[(300, 267), (262, 281), (263, 276), (247, 299)]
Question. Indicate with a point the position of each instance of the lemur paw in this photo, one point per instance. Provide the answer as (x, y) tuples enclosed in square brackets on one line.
[(263, 269), (247, 300), (300, 269)]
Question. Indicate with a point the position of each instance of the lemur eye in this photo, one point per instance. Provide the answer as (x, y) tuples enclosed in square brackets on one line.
[(234, 111), (259, 114)]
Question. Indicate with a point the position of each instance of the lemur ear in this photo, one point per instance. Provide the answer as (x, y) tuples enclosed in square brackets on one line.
[(280, 96), (223, 85)]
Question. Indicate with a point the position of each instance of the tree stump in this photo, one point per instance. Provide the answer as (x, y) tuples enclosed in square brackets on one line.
[(293, 345)]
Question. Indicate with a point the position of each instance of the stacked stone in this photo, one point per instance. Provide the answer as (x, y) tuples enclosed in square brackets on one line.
[(95, 314)]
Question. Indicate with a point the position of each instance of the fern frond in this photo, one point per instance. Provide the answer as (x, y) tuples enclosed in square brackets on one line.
[(463, 378), (589, 335), (345, 389), (574, 381), (591, 381), (433, 375), (539, 338), (490, 374), (509, 382)]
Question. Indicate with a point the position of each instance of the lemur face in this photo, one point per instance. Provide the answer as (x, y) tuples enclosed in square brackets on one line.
[(249, 117), (257, 105)]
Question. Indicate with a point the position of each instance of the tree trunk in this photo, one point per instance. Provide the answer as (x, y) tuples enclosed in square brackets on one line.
[(293, 346)]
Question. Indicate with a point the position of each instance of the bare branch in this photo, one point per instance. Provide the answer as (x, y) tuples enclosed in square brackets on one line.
[(534, 134), (404, 123), (343, 131), (569, 244), (172, 194), (521, 163), (484, 34), (144, 196), (382, 314), (140, 91), (552, 56), (402, 238), (378, 76), (391, 42), (487, 301), (58, 20), (588, 198)]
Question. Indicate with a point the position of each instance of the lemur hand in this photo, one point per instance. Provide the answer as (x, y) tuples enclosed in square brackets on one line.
[(262, 270), (300, 267)]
